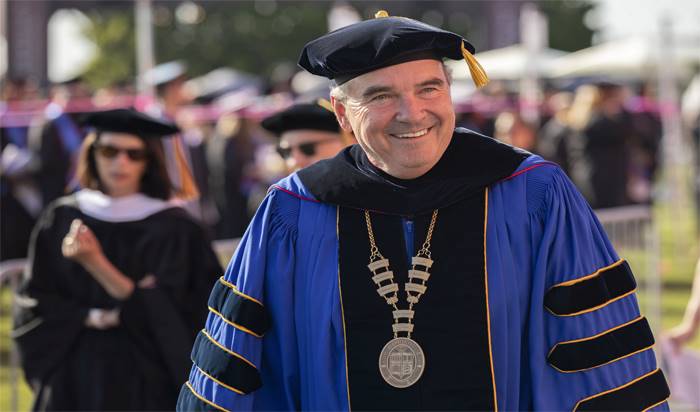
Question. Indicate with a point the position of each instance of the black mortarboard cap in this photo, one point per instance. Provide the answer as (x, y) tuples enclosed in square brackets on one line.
[(384, 41), (303, 116), (129, 121)]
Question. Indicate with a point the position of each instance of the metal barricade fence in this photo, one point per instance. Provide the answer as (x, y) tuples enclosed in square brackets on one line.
[(634, 235), (631, 230)]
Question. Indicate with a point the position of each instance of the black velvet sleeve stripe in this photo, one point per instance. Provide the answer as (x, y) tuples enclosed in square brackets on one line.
[(640, 394), (591, 292), (606, 347), (239, 310), (190, 401), (225, 367)]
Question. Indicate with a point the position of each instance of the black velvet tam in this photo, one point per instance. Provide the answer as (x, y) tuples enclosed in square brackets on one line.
[(372, 44), (129, 121), (306, 116)]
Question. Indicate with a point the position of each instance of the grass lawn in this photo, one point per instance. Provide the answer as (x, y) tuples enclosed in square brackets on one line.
[(24, 396)]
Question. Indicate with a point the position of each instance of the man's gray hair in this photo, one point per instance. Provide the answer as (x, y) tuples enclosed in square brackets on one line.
[(340, 91)]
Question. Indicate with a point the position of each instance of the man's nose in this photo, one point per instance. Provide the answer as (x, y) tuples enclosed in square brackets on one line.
[(410, 109)]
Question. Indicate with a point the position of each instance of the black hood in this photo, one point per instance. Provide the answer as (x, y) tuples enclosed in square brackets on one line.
[(471, 162)]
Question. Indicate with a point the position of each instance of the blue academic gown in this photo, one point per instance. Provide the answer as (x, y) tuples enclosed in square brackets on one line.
[(540, 234)]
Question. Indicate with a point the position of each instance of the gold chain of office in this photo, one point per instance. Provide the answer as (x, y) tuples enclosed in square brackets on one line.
[(401, 361)]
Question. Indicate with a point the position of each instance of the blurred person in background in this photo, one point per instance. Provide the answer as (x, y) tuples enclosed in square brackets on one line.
[(476, 120), (19, 92), (117, 280), (645, 154), (230, 154), (220, 146), (599, 147), (512, 129), (20, 198), (56, 138), (169, 79), (307, 133), (553, 137)]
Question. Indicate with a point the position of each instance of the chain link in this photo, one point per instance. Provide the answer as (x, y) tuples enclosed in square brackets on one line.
[(374, 250), (424, 252), (425, 249)]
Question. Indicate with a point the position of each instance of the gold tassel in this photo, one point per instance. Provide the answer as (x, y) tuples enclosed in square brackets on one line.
[(187, 189), (325, 104), (381, 13), (478, 74)]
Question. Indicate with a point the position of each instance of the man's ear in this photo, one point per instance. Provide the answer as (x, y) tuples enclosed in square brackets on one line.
[(341, 114)]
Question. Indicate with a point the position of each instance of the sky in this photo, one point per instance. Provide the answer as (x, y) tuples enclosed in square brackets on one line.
[(615, 18), (620, 18)]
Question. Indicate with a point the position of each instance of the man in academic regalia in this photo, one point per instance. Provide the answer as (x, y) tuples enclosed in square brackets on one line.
[(183, 152), (427, 268), (307, 132)]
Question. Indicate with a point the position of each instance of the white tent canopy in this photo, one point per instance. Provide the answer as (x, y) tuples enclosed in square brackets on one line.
[(508, 63), (633, 56)]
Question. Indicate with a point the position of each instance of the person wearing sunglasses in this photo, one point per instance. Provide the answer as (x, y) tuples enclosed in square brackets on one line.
[(118, 278), (307, 133)]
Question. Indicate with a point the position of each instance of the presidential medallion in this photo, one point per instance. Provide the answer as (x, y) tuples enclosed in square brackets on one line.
[(401, 362)]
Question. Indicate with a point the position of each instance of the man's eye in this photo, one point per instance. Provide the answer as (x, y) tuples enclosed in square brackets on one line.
[(429, 90), (380, 97)]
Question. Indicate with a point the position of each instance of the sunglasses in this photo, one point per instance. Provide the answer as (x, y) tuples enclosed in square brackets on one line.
[(110, 152), (307, 149)]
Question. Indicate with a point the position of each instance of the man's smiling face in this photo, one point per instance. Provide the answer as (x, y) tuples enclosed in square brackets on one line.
[(401, 115)]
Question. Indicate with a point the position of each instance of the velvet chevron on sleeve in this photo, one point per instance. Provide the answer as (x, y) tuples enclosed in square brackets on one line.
[(585, 335), (529, 307)]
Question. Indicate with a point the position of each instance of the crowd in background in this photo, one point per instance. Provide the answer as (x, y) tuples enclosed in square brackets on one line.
[(605, 135)]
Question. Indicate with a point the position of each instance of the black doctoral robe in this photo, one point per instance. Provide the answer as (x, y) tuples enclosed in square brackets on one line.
[(140, 364)]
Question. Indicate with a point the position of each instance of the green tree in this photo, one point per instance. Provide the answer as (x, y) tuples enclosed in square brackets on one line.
[(567, 28), (258, 36), (113, 32), (252, 36)]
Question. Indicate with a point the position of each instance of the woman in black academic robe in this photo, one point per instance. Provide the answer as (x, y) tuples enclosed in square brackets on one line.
[(118, 279)]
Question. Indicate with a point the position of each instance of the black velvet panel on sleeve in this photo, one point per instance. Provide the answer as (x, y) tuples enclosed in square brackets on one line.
[(640, 395), (244, 313), (189, 402), (229, 369), (590, 293), (612, 345)]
